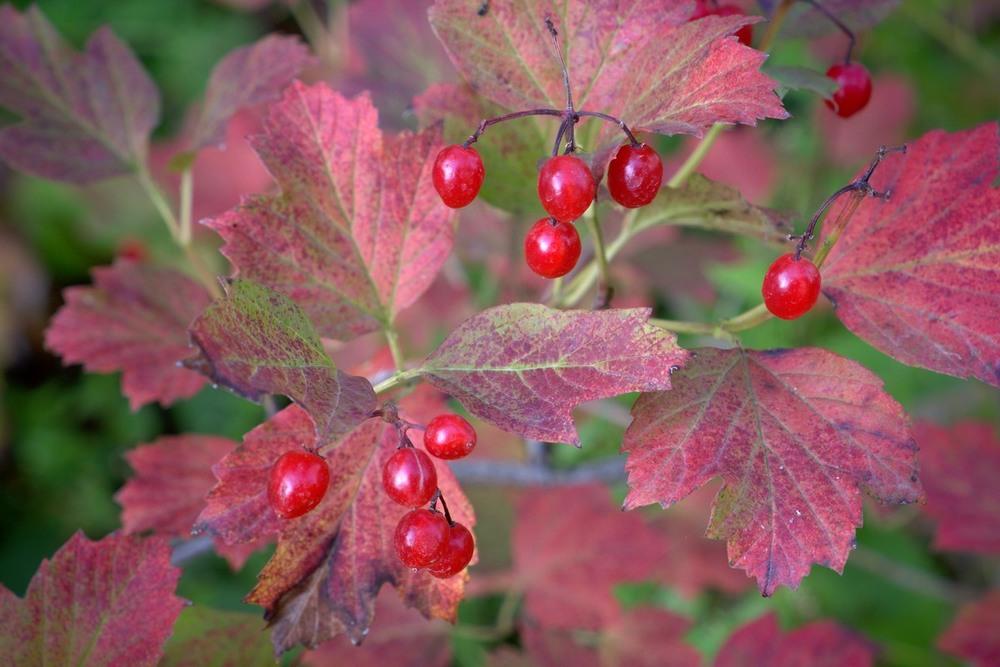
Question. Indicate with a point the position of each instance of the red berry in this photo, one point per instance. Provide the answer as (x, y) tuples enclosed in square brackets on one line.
[(791, 287), (421, 537), (634, 175), (552, 248), (449, 437), (458, 174), (298, 483), (854, 88), (744, 34), (566, 187), (457, 554), (409, 477)]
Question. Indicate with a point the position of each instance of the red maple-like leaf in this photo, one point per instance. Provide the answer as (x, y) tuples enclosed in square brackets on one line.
[(959, 469), (331, 563), (973, 634), (640, 637), (523, 367), (703, 75), (358, 232), (818, 644), (794, 434), (134, 319), (572, 546), (916, 276), (86, 116), (109, 602), (248, 76), (256, 342), (206, 636)]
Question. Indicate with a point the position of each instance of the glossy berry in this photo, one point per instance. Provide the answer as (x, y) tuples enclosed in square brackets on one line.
[(449, 437), (705, 8), (854, 91), (552, 248), (566, 187), (409, 477), (457, 554), (421, 537), (298, 483), (634, 175), (458, 174), (790, 287)]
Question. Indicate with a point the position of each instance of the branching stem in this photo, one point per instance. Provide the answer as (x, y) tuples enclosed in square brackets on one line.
[(851, 39)]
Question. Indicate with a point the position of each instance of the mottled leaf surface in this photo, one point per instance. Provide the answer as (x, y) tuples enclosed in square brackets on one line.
[(959, 468), (572, 546), (818, 644), (703, 75), (133, 319), (109, 602), (330, 563), (256, 341), (973, 634), (248, 76), (795, 436), (358, 232), (523, 367), (205, 636), (916, 276), (85, 116)]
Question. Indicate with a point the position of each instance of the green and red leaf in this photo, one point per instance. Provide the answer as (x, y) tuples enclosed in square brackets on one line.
[(916, 276), (206, 636), (134, 320), (523, 367), (358, 232), (794, 434), (818, 644), (973, 634), (85, 116), (109, 602)]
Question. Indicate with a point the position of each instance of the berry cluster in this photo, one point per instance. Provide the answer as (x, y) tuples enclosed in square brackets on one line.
[(425, 537), (566, 183)]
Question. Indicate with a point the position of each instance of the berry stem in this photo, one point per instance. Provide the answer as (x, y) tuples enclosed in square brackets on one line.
[(611, 119), (483, 124), (444, 505), (840, 24)]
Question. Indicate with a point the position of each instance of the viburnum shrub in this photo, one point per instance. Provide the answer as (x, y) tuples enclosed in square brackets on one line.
[(386, 281)]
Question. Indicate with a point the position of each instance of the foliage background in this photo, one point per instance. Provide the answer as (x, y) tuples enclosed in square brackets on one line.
[(63, 432)]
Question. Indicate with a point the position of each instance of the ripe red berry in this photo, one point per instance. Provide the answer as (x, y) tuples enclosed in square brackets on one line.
[(458, 174), (566, 187), (457, 554), (790, 287), (449, 437), (854, 88), (634, 175), (421, 537), (703, 8), (552, 248), (298, 483), (409, 477)]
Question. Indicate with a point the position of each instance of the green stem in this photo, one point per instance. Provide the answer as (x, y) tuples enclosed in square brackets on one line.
[(601, 257), (187, 206), (589, 274), (696, 157), (392, 337), (724, 330), (399, 379), (160, 202)]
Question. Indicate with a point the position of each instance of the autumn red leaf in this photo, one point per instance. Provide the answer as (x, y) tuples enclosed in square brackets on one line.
[(399, 636), (85, 116), (523, 367), (133, 319), (206, 636), (819, 644), (572, 545), (108, 602), (358, 232), (916, 276), (256, 341), (640, 637), (248, 76), (331, 563), (959, 467), (702, 76), (973, 634), (794, 434)]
